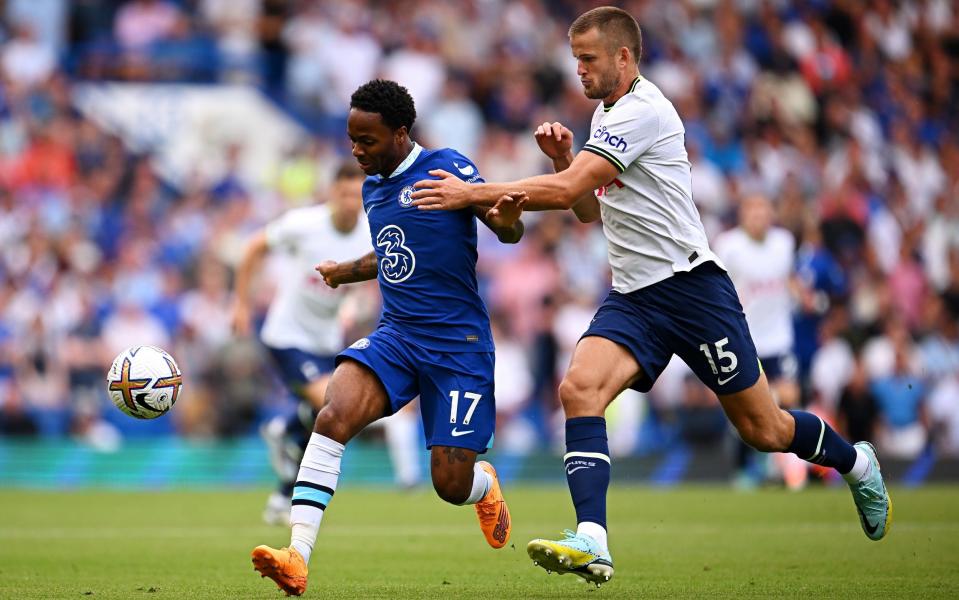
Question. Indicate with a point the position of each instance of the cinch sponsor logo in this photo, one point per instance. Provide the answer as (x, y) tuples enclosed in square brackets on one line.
[(613, 140)]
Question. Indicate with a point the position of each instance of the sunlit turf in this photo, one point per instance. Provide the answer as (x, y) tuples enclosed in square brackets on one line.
[(692, 542)]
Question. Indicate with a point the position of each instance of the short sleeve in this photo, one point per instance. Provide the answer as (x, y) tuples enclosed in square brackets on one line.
[(284, 232), (628, 131), (464, 168)]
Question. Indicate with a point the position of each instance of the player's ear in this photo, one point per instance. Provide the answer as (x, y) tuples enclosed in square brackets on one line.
[(400, 135)]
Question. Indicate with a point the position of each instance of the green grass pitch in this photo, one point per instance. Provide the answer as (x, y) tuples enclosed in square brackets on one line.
[(688, 542)]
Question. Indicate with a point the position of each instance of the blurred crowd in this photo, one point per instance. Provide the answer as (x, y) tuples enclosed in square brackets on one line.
[(842, 113)]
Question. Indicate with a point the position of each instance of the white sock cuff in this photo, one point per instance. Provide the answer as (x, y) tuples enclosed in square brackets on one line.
[(859, 469), (331, 445), (322, 454), (595, 531), (481, 485)]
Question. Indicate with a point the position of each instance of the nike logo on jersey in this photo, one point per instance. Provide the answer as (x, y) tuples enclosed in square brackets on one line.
[(459, 433), (728, 379), (574, 469), (467, 170)]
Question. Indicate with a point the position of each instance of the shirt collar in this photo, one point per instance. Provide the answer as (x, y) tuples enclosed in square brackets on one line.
[(408, 161)]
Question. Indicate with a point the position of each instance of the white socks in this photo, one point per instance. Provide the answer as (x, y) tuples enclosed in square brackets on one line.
[(481, 485), (595, 531), (315, 486), (859, 470)]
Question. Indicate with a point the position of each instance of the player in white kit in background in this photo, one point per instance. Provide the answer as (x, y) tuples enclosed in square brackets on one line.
[(303, 329), (760, 259), (671, 294)]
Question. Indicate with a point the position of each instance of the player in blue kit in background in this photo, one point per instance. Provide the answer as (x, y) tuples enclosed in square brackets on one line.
[(433, 340)]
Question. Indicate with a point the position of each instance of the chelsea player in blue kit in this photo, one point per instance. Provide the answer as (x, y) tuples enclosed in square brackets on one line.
[(433, 340)]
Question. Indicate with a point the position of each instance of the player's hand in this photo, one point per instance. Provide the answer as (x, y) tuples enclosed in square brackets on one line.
[(240, 319), (449, 192), (507, 210), (327, 270), (554, 139)]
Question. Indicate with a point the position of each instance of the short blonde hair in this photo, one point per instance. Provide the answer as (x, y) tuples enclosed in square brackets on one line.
[(617, 27)]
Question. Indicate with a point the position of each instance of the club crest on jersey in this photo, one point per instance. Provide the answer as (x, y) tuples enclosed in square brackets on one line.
[(398, 261), (615, 141), (406, 196), (361, 344)]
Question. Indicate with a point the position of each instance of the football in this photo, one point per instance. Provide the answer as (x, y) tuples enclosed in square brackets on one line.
[(144, 381)]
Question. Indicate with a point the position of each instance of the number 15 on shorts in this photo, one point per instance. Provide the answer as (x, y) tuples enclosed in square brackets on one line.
[(721, 355), (473, 398)]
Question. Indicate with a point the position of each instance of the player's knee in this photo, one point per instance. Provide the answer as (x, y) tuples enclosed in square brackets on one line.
[(450, 487), (331, 423), (575, 393), (763, 436)]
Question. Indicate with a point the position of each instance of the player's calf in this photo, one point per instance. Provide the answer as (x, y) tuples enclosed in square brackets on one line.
[(453, 474)]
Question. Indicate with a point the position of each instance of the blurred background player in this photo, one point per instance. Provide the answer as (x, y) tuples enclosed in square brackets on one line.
[(434, 339), (304, 330), (759, 259)]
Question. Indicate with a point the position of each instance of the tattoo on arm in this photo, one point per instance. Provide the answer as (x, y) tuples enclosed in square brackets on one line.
[(361, 269)]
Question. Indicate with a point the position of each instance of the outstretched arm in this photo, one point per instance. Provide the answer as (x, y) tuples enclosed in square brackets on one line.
[(354, 271), (558, 191)]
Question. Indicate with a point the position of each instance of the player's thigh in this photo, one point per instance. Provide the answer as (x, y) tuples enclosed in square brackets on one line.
[(757, 418), (355, 397), (374, 377), (705, 326), (599, 370)]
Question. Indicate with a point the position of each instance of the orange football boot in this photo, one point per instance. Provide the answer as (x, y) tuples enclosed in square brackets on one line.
[(492, 511), (284, 566)]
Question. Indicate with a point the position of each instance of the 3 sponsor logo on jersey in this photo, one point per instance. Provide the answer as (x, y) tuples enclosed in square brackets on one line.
[(602, 134), (398, 260), (406, 196)]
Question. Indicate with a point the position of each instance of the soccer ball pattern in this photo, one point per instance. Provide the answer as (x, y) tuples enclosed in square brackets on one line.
[(144, 381)]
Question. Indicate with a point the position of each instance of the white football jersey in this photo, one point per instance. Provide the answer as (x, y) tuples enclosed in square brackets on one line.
[(652, 227), (760, 270), (304, 312)]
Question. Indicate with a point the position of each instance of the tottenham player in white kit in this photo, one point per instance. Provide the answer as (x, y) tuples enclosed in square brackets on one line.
[(759, 258), (670, 292), (303, 330)]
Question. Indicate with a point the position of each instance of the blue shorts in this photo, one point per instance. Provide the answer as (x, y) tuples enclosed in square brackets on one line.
[(457, 403), (298, 368), (780, 366), (695, 315)]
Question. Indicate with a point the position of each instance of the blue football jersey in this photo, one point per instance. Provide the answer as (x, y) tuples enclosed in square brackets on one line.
[(427, 259)]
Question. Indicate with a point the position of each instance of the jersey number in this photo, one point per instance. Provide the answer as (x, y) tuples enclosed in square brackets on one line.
[(721, 355), (454, 405)]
